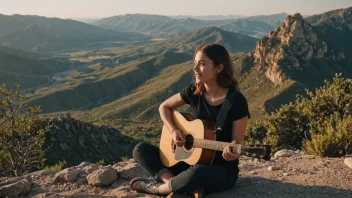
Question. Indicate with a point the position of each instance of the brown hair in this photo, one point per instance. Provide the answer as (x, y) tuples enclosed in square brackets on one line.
[(219, 55)]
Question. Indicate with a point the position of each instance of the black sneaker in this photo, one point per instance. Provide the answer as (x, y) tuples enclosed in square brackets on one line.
[(145, 185)]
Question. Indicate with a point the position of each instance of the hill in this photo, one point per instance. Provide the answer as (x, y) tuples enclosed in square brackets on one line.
[(170, 26), (232, 41), (155, 25), (250, 27), (28, 69), (96, 88), (41, 34)]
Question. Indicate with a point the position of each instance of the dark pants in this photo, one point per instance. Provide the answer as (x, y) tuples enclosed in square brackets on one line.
[(187, 178)]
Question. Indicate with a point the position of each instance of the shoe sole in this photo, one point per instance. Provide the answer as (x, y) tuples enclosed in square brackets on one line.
[(139, 179)]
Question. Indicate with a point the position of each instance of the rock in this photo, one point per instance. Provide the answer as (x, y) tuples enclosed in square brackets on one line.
[(81, 180), (102, 177), (130, 171), (348, 162), (42, 173), (83, 164), (90, 168), (283, 153), (47, 194), (8, 181), (273, 168), (21, 187), (285, 174), (66, 175), (253, 172), (67, 126)]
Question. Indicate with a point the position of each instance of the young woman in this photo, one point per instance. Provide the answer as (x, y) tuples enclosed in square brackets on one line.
[(214, 78)]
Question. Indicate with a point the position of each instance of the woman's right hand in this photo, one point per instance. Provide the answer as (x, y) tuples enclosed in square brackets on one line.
[(178, 138)]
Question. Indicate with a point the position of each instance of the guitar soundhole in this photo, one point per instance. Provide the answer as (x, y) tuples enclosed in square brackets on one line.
[(189, 142)]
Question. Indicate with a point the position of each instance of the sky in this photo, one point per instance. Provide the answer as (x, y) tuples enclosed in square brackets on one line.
[(107, 8)]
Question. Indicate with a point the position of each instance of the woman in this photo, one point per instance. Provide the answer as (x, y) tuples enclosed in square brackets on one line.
[(214, 78)]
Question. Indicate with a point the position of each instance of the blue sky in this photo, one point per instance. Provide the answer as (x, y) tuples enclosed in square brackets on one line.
[(106, 8)]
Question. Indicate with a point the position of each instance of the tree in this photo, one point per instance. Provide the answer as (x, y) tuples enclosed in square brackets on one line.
[(21, 137)]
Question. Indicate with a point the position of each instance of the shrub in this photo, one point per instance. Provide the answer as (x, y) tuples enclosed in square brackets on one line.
[(100, 162), (335, 142), (21, 137), (319, 123), (57, 167)]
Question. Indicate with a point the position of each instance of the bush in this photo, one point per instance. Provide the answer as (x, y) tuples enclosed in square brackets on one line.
[(320, 123), (124, 158), (286, 128), (256, 133), (57, 167), (335, 142), (21, 137), (100, 162)]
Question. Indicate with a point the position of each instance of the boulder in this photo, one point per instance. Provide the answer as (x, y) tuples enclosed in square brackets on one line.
[(104, 176)]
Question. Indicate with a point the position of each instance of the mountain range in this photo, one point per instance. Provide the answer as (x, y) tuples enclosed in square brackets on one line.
[(125, 83), (164, 26), (42, 34)]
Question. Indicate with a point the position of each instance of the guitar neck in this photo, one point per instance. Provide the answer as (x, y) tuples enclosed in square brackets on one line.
[(215, 145), (257, 151)]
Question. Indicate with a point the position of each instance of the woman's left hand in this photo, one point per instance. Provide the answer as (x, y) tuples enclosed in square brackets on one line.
[(227, 154)]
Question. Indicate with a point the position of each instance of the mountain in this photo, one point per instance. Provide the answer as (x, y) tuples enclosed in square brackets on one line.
[(335, 28), (209, 17), (297, 56), (155, 25), (28, 69), (273, 19), (165, 26), (232, 41), (250, 27), (91, 89), (41, 34)]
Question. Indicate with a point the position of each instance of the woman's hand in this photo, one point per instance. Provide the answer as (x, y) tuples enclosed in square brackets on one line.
[(178, 138), (227, 154)]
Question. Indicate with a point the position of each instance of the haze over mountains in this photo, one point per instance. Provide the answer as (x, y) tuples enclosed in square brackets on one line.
[(123, 67), (41, 34), (164, 26)]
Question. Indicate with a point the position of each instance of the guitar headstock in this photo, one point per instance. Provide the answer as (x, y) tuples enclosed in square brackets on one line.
[(260, 151)]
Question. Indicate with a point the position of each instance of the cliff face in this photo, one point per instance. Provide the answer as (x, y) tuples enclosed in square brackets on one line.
[(292, 46)]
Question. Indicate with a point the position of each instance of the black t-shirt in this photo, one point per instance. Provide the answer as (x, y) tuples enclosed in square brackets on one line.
[(238, 110)]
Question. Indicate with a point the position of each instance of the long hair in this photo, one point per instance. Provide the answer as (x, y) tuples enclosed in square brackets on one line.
[(219, 55)]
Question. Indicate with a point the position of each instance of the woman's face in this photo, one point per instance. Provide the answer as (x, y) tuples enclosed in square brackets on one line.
[(204, 69)]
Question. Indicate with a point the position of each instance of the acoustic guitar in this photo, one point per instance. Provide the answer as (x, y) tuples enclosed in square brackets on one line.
[(201, 144)]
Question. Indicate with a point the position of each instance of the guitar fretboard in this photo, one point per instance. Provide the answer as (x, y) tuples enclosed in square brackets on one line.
[(215, 145)]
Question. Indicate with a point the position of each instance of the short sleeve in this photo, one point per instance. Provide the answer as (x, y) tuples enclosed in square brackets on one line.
[(187, 93), (239, 107)]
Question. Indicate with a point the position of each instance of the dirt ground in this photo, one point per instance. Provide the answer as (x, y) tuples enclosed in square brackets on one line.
[(299, 175)]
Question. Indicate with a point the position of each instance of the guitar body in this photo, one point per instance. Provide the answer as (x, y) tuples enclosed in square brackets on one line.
[(192, 128)]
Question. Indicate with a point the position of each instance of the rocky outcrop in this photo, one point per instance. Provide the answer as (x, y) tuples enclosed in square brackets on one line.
[(291, 46), (75, 141)]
